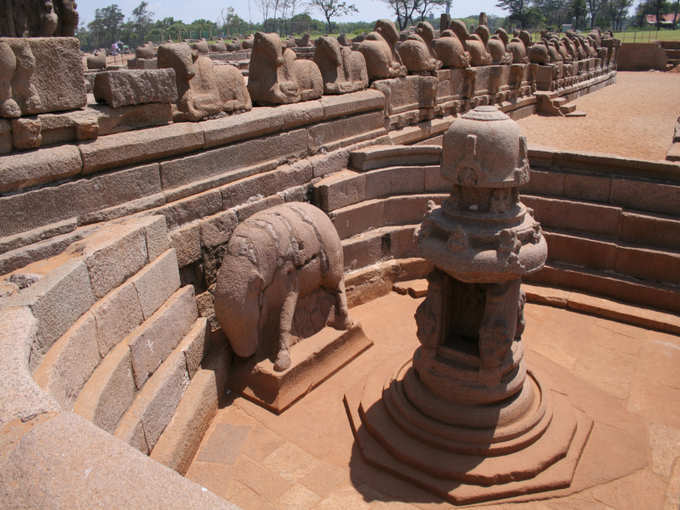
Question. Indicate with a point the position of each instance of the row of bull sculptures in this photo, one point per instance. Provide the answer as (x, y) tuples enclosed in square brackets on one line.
[(277, 76)]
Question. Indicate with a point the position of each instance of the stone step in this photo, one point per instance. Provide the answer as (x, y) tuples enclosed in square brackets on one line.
[(610, 285), (111, 389), (670, 45), (367, 248), (155, 404), (371, 214), (653, 266)]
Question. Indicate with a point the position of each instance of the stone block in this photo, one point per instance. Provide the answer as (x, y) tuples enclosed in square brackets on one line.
[(353, 103), (576, 216), (329, 162), (650, 265), (383, 156), (180, 440), (544, 182), (587, 187), (26, 133), (362, 250), (56, 300), (187, 243), (20, 396), (161, 333), (54, 56), (133, 87), (194, 346), (195, 207), (328, 132), (247, 209), (5, 136), (19, 171), (72, 464), (128, 118), (156, 232), (116, 315), (582, 251), (395, 181), (408, 210), (673, 153), (112, 255), (156, 283), (657, 231), (300, 114), (140, 146), (646, 196), (402, 243), (220, 161), (357, 218), (69, 363), (340, 190), (110, 390), (154, 405), (216, 230), (258, 122), (434, 182), (39, 207)]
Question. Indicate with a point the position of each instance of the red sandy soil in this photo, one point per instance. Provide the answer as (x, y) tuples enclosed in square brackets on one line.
[(306, 458), (633, 118)]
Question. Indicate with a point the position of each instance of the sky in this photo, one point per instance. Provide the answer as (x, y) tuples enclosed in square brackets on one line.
[(187, 11)]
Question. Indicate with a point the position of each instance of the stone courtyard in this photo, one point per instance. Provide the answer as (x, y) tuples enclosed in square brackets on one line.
[(418, 270)]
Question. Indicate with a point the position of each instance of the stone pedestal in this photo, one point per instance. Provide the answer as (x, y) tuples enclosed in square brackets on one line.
[(464, 417)]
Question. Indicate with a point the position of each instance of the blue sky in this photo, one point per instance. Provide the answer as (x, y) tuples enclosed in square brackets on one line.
[(188, 11)]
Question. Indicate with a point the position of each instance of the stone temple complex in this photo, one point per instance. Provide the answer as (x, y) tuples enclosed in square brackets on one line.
[(329, 274)]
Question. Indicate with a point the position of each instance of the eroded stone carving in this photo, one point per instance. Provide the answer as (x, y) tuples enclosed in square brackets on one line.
[(416, 51), (343, 70), (204, 88), (379, 50), (273, 259), (18, 94), (494, 45), (451, 51), (479, 56), (38, 18), (277, 77)]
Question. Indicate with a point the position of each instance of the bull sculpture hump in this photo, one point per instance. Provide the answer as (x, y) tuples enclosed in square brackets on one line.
[(273, 258)]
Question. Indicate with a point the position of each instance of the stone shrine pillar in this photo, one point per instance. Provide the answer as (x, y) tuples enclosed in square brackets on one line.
[(464, 417)]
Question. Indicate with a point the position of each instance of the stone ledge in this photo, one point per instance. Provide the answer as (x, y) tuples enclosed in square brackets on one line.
[(73, 464), (28, 169)]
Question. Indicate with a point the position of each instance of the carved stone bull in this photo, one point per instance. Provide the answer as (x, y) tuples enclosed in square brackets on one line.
[(273, 258), (379, 50), (416, 51), (275, 76), (343, 70), (204, 88)]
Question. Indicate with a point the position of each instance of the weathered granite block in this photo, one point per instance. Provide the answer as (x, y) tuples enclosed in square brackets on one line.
[(116, 316), (19, 171), (132, 87), (157, 282), (47, 58)]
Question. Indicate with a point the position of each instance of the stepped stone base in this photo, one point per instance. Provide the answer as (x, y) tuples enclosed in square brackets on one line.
[(314, 360), (562, 458)]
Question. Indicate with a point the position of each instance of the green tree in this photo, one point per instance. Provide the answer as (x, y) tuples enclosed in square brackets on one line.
[(522, 12), (332, 9), (105, 29), (407, 11), (578, 12)]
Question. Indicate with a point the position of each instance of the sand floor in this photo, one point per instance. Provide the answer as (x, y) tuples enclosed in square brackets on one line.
[(306, 457), (634, 118)]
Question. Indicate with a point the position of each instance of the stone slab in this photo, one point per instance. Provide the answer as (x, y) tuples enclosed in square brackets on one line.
[(381, 156), (20, 171), (156, 282), (133, 87), (140, 146), (75, 465), (152, 342), (314, 360), (116, 315), (70, 362)]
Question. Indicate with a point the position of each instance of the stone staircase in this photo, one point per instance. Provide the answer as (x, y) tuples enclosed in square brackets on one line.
[(672, 51), (612, 225)]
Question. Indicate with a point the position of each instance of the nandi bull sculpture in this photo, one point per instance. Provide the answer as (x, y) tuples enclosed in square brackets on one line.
[(343, 70), (274, 258)]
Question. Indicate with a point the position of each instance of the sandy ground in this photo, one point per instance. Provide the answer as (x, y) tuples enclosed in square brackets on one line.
[(306, 457), (634, 118)]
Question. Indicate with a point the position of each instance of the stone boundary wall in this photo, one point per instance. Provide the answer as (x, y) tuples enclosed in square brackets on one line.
[(641, 57), (51, 196)]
